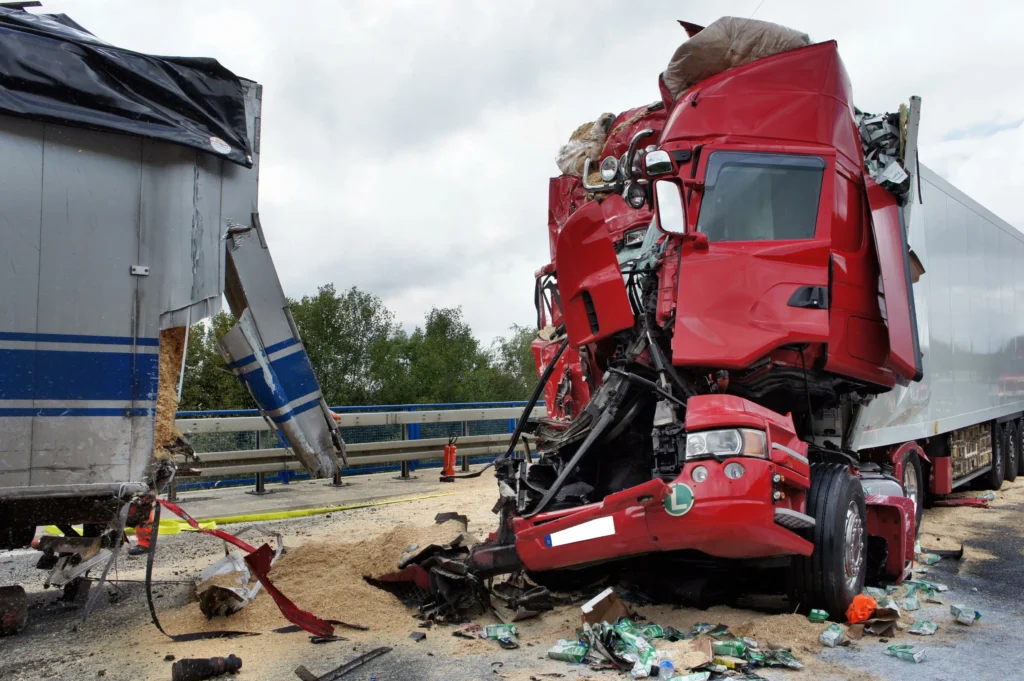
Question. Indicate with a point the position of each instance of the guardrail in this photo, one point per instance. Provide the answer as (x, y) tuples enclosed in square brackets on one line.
[(408, 451)]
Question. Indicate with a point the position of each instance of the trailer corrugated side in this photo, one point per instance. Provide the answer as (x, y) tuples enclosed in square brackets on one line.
[(107, 239)]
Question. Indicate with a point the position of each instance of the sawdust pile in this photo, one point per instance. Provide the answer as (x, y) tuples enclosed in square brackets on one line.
[(172, 352), (789, 631), (326, 578)]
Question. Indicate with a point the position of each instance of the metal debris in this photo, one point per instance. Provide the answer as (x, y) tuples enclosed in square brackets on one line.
[(344, 669)]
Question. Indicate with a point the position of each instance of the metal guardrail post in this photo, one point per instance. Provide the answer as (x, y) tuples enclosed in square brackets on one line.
[(261, 478), (465, 457), (406, 473)]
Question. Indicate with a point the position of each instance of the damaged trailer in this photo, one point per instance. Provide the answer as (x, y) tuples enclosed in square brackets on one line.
[(765, 332), (129, 209)]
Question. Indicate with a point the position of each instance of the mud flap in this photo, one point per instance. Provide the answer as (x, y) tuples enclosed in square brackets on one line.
[(264, 350), (894, 264)]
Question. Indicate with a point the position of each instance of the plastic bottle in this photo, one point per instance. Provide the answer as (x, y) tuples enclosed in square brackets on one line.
[(666, 669)]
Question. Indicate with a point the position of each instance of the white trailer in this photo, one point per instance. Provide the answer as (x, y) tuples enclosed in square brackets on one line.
[(970, 317)]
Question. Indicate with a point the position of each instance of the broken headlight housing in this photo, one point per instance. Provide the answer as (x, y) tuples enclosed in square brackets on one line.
[(726, 442)]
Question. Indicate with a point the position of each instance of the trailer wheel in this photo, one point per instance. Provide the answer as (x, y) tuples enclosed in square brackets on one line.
[(1011, 450), (913, 485), (831, 576), (996, 474)]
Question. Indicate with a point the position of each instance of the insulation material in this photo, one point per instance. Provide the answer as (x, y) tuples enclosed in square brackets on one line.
[(883, 137), (725, 44), (172, 354), (585, 143)]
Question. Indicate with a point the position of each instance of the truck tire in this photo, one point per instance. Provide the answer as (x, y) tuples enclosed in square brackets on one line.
[(913, 485), (1011, 450), (831, 576), (994, 479)]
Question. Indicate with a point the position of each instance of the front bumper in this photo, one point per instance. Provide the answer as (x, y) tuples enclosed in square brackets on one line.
[(719, 517)]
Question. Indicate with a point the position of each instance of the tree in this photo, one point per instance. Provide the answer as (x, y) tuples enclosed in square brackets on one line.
[(446, 363), (360, 356), (208, 383), (515, 372), (344, 335)]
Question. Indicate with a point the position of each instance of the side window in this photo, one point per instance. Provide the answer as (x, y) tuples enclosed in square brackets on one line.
[(760, 197)]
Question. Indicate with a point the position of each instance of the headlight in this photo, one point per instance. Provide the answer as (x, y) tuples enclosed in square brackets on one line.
[(609, 167), (699, 474), (730, 442)]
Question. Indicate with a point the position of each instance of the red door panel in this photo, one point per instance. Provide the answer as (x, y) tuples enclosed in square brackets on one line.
[(590, 285), (894, 264)]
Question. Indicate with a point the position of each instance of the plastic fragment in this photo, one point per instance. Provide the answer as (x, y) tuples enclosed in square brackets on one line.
[(567, 650), (832, 636), (924, 628), (861, 609), (904, 651), (964, 615), (817, 615)]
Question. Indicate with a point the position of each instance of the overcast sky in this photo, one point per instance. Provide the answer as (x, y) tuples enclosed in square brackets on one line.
[(407, 145)]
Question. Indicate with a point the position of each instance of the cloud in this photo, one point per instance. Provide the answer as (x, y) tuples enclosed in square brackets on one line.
[(407, 146)]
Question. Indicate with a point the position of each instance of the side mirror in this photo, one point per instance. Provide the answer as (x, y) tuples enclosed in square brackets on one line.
[(669, 203), (657, 163)]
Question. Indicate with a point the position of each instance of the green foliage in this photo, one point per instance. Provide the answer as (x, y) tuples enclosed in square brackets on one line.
[(209, 384), (361, 356)]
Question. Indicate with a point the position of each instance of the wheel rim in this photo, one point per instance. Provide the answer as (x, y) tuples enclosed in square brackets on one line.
[(910, 483), (854, 545)]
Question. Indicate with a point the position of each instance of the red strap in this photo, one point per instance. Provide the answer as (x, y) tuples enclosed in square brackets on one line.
[(259, 561), (231, 539)]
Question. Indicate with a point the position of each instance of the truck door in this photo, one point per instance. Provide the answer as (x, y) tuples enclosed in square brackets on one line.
[(265, 352), (762, 282)]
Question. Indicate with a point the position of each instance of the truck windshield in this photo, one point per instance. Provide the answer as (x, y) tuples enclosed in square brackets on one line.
[(760, 197)]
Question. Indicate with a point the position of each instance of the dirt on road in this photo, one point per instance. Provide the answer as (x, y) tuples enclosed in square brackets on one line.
[(329, 554)]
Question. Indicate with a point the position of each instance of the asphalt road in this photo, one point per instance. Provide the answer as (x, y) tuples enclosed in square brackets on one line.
[(56, 645)]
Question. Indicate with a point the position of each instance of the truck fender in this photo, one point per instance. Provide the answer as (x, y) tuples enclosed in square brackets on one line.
[(893, 519), (895, 457)]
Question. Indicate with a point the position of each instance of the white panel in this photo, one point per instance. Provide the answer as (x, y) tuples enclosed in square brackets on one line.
[(592, 529)]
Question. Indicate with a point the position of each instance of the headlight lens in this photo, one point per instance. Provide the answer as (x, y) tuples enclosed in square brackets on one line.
[(699, 474), (609, 167), (727, 442), (734, 471)]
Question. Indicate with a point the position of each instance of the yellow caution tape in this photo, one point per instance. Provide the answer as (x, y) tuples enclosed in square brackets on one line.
[(303, 512), (169, 526)]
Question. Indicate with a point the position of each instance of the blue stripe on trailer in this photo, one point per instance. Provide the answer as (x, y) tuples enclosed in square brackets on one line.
[(296, 375), (77, 375), (73, 411), (270, 349), (76, 338)]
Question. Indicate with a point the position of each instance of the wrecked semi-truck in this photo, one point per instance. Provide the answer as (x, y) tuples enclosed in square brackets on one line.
[(812, 330), (129, 208)]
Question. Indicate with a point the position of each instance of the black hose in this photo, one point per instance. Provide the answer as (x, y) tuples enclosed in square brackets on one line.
[(531, 403), (602, 423), (650, 385)]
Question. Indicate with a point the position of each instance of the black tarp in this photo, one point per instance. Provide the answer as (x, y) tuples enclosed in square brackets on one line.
[(52, 69)]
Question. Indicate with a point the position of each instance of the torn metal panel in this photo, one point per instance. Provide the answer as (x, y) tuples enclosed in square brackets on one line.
[(264, 351)]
